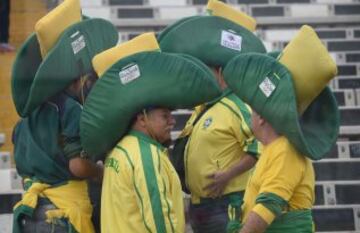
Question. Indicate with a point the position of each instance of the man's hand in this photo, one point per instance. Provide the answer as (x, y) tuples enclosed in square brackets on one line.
[(218, 183), (221, 178), (254, 224)]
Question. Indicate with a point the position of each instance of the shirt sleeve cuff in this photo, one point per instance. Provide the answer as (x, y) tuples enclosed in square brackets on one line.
[(264, 213)]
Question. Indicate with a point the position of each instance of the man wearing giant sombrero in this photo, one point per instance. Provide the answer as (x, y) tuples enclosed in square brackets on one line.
[(221, 148), (49, 86), (297, 119), (128, 115)]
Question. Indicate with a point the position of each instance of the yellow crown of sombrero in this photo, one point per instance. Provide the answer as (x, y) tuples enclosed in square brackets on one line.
[(218, 8), (141, 43), (49, 28), (310, 64)]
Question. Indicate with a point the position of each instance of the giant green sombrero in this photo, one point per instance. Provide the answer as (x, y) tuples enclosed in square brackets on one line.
[(35, 79), (291, 93), (214, 38), (134, 80)]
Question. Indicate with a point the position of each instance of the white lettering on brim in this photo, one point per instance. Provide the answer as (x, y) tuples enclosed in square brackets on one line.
[(129, 74), (267, 87), (231, 40), (78, 44)]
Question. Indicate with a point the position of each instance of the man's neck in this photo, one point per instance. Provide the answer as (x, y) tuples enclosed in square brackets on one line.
[(141, 129), (268, 135)]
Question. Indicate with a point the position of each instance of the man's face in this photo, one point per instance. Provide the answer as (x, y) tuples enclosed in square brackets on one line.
[(161, 122)]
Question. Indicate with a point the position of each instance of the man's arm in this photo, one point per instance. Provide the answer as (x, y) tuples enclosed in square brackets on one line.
[(221, 178), (84, 168), (254, 224)]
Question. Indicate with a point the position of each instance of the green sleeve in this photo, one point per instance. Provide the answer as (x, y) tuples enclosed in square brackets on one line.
[(272, 202), (71, 128)]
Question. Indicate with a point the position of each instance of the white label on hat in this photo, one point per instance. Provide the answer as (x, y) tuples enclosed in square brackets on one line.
[(129, 74), (267, 87), (231, 40), (78, 44)]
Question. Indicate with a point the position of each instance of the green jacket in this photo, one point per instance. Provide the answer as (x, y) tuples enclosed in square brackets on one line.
[(46, 140)]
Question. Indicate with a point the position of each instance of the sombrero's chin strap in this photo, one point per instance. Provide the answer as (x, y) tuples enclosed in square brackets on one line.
[(82, 83)]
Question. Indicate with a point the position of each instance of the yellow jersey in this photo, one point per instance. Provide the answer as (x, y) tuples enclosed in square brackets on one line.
[(281, 173), (219, 140), (141, 190)]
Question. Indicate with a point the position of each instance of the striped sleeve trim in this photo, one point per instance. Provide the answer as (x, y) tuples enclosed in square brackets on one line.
[(165, 196), (253, 148), (264, 213), (272, 202), (152, 186)]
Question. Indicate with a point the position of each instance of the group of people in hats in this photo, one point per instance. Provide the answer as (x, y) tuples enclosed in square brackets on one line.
[(94, 110)]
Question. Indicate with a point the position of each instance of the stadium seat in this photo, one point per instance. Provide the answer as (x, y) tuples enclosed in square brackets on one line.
[(337, 170), (333, 219), (345, 149), (167, 2), (341, 45), (345, 97), (97, 12), (125, 2), (178, 12)]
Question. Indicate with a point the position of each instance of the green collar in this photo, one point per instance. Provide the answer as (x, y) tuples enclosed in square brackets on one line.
[(144, 137)]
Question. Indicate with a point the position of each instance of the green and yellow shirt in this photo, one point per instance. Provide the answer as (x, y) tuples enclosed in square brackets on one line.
[(219, 140), (141, 190), (282, 182)]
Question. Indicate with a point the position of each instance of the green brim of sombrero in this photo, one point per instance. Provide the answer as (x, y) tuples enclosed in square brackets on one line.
[(33, 81), (155, 79), (27, 61), (201, 36), (314, 133)]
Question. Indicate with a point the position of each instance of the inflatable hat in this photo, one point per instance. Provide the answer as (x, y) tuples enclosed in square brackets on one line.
[(132, 76), (59, 52), (290, 92), (214, 38)]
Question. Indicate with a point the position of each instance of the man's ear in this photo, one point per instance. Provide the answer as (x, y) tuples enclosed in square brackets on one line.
[(262, 121), (141, 119)]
